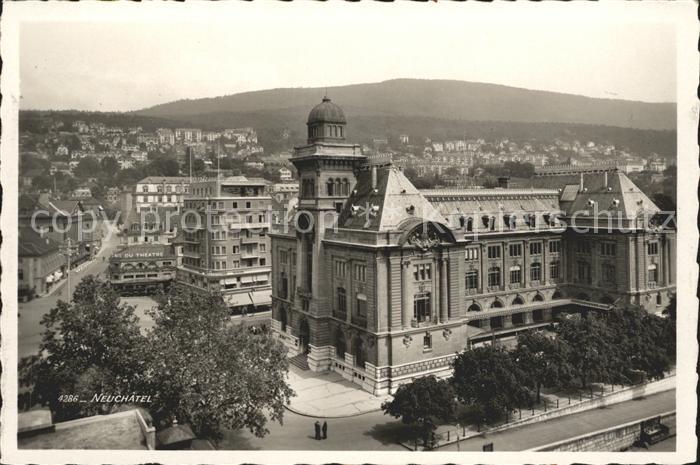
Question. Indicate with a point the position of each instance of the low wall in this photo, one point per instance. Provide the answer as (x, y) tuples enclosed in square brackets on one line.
[(612, 439), (149, 432), (623, 395)]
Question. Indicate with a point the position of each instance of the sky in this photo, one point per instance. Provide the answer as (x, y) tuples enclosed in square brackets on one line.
[(133, 62)]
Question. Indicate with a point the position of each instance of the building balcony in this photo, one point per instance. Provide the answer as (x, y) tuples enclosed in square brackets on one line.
[(340, 315), (250, 240), (250, 255)]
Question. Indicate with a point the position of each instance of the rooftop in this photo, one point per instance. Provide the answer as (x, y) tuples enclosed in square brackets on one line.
[(116, 431), (31, 244), (164, 179)]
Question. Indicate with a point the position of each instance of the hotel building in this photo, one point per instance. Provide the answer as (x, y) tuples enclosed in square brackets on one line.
[(225, 241)]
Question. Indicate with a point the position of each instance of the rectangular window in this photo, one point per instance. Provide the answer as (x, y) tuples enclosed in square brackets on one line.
[(283, 257), (607, 249), (515, 275), (284, 286), (494, 251), (535, 272), (554, 270), (652, 273), (515, 250), (471, 254), (339, 269), (427, 342), (361, 301), (422, 272), (360, 273), (421, 307), (554, 246), (653, 248), (494, 277), (341, 301), (608, 274), (471, 279), (535, 248), (583, 270), (247, 204), (261, 248)]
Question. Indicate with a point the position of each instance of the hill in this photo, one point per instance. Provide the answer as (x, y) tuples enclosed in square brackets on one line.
[(439, 99)]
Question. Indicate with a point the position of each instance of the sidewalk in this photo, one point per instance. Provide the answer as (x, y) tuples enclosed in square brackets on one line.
[(328, 395)]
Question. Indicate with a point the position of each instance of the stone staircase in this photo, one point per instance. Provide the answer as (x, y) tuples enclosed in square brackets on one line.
[(299, 361)]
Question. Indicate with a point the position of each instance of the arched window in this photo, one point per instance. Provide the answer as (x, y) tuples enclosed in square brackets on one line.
[(346, 187), (538, 298), (341, 131), (497, 304), (556, 295), (338, 188), (470, 224), (462, 221), (474, 308), (329, 187), (518, 301)]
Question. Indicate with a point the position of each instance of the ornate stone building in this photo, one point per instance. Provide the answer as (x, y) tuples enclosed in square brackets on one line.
[(383, 283)]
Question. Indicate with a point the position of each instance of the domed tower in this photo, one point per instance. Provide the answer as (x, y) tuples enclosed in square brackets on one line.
[(326, 167), (326, 123)]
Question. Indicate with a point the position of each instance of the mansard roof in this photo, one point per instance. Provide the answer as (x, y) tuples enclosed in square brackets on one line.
[(612, 192), (392, 202)]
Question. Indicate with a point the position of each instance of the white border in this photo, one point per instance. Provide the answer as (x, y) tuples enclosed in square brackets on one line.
[(682, 14)]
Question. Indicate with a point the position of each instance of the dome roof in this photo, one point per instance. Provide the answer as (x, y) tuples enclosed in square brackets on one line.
[(326, 112)]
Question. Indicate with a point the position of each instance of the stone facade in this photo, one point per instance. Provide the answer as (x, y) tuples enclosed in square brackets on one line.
[(384, 283)]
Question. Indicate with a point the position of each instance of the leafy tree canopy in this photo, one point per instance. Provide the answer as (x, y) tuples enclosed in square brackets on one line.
[(422, 401), (487, 378), (210, 373)]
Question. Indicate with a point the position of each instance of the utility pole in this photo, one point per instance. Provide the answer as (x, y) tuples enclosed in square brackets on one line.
[(68, 252)]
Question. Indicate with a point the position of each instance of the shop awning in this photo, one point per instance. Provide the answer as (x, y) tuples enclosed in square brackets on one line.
[(261, 298), (247, 279), (237, 300)]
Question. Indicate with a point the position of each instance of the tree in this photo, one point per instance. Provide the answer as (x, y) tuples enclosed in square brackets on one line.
[(595, 356), (110, 166), (642, 342), (544, 359), (209, 373), (420, 403), (87, 168), (90, 346), (670, 310), (163, 166), (487, 379)]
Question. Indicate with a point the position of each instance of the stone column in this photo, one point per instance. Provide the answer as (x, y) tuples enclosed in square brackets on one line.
[(406, 294), (443, 290), (507, 320), (300, 265), (381, 291)]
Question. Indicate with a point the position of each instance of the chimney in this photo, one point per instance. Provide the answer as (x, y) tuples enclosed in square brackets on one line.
[(503, 182), (374, 177)]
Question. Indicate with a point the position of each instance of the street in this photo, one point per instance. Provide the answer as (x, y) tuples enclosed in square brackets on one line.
[(30, 313), (376, 431)]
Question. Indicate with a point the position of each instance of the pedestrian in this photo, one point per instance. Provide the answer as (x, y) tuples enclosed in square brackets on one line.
[(317, 429), (325, 429)]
